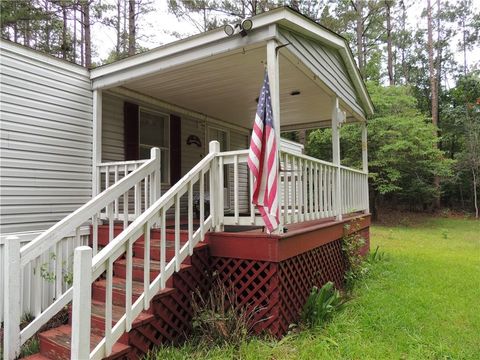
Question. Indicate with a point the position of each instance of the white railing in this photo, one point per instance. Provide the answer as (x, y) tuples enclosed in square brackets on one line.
[(38, 288), (90, 269), (308, 189), (313, 189), (113, 202)]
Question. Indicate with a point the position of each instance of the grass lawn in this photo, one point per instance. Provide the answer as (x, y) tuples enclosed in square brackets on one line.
[(421, 301)]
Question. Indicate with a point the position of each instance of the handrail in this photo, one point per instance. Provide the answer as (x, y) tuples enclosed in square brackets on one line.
[(49, 245), (318, 161), (47, 239), (102, 262)]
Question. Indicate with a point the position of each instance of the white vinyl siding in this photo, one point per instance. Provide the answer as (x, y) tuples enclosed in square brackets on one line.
[(46, 139)]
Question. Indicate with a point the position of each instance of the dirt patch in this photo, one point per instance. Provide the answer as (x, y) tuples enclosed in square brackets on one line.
[(393, 217)]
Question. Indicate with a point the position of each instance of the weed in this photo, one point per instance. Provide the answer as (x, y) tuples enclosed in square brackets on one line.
[(321, 304), (352, 242), (217, 319)]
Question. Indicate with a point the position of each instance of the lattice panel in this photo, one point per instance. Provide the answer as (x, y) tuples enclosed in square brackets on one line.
[(299, 274), (256, 288), (277, 292), (173, 311)]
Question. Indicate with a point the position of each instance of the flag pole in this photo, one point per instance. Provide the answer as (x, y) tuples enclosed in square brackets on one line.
[(273, 70)]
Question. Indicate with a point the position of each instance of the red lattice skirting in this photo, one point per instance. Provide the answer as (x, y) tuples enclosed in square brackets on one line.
[(276, 291)]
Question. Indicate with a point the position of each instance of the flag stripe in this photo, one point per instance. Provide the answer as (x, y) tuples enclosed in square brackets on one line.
[(263, 160)]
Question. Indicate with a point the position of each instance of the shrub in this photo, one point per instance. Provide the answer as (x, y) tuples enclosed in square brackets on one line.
[(321, 304)]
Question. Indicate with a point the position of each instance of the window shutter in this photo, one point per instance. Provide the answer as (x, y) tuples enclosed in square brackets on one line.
[(175, 149), (131, 131)]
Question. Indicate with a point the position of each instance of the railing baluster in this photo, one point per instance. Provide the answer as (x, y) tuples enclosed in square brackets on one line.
[(177, 233), (116, 200), (95, 234), (146, 264), (107, 178), (163, 247), (310, 189), (125, 210), (294, 190), (111, 234), (315, 185), (108, 307), (128, 285), (58, 269), (221, 200), (202, 203), (285, 189), (190, 218), (252, 207), (137, 196), (145, 195), (235, 189)]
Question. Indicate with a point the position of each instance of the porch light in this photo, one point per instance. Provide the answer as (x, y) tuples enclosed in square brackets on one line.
[(243, 28)]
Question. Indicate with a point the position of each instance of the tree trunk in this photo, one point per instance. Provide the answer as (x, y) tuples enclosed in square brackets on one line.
[(75, 33), (388, 6), (359, 29), (82, 38), (87, 36), (64, 32), (131, 28), (475, 199), (117, 26), (433, 88)]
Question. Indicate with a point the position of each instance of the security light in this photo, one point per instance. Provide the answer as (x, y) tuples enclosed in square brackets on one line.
[(243, 28), (229, 29), (247, 24)]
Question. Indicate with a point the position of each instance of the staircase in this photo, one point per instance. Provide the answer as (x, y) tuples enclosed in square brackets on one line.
[(167, 320)]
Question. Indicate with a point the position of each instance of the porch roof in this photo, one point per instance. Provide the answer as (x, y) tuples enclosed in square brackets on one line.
[(220, 76)]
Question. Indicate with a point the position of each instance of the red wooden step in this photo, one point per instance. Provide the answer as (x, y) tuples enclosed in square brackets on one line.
[(138, 249), (120, 269), (36, 356), (55, 344), (98, 317), (103, 234), (118, 290)]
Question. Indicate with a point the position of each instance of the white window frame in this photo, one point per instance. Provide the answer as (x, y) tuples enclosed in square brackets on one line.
[(163, 149)]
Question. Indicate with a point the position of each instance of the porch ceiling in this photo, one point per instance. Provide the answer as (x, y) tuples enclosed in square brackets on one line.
[(226, 88)]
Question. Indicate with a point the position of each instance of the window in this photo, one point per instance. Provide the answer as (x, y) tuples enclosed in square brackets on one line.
[(154, 132)]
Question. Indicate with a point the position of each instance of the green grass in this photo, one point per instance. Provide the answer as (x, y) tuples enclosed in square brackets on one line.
[(421, 301)]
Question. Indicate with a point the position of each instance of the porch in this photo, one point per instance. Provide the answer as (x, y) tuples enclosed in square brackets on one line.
[(160, 193)]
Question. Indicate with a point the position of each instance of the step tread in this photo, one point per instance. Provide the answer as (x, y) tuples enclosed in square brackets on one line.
[(119, 285), (61, 336), (98, 310), (36, 356), (137, 263)]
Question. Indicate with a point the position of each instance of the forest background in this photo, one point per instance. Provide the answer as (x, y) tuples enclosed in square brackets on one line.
[(419, 59)]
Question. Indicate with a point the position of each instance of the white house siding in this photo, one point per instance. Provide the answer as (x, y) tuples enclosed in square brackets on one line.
[(46, 138)]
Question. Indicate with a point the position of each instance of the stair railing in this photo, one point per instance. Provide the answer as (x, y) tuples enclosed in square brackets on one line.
[(112, 204), (90, 269)]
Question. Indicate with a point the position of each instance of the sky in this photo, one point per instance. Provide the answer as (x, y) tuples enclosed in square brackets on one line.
[(158, 25)]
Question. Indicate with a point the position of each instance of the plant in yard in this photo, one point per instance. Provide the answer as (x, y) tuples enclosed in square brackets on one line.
[(352, 242), (321, 305), (218, 320)]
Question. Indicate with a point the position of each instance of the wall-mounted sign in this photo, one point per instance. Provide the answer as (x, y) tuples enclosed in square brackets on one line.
[(194, 139)]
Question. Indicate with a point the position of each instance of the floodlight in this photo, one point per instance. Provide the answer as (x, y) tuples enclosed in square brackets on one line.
[(229, 29)]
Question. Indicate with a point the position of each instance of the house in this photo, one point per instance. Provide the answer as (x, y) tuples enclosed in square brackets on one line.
[(131, 179)]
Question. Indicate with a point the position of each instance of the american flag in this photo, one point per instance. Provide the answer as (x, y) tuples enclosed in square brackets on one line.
[(263, 160)]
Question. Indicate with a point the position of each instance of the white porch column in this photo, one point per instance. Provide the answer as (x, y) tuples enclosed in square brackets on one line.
[(96, 140), (365, 166), (273, 70), (337, 189)]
